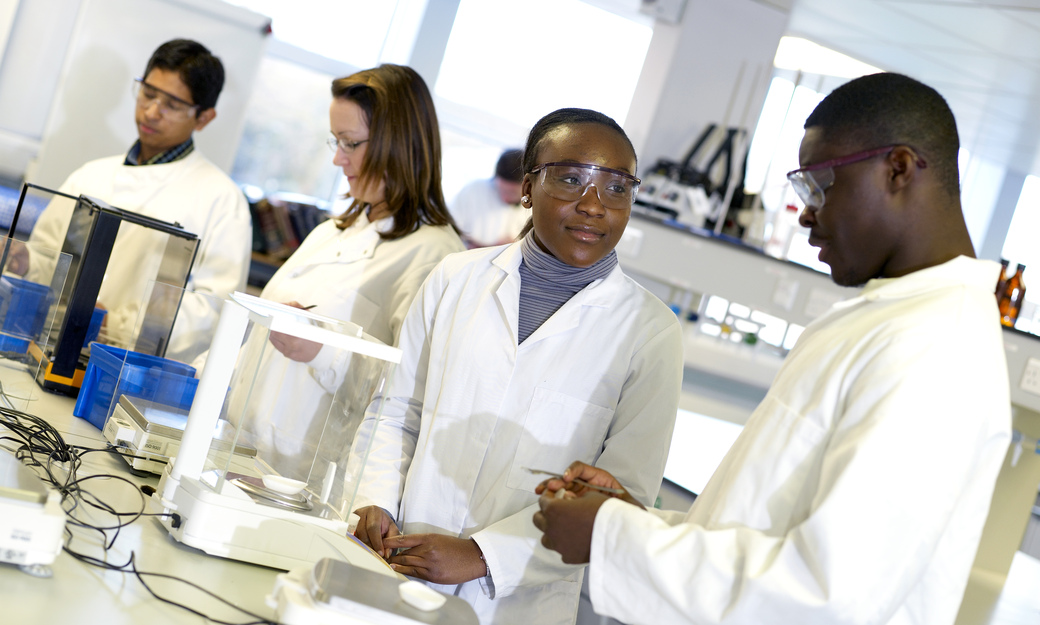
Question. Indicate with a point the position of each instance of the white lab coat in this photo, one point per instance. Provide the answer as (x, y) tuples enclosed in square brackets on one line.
[(483, 217), (352, 275), (858, 489), (192, 192), (469, 410)]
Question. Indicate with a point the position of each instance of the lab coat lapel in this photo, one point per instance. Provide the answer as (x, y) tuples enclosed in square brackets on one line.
[(507, 293), (358, 243)]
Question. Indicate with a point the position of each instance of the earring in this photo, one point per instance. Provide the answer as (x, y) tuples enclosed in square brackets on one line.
[(525, 200)]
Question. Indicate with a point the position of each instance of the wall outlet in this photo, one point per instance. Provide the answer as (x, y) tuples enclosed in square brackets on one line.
[(1031, 377)]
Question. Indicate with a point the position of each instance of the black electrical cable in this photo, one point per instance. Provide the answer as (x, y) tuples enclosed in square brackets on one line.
[(39, 445)]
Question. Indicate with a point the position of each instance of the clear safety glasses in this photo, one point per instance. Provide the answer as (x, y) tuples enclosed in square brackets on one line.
[(170, 106), (569, 182), (810, 182)]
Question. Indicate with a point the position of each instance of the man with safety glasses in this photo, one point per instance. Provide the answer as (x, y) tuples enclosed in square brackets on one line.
[(858, 489), (164, 176)]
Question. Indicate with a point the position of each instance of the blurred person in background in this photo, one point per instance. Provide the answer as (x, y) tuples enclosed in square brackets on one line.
[(488, 211)]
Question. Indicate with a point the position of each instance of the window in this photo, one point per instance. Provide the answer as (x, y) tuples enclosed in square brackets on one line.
[(351, 31), (506, 65), (804, 73), (283, 140), (519, 65)]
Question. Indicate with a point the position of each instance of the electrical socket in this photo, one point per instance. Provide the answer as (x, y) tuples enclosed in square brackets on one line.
[(1031, 377)]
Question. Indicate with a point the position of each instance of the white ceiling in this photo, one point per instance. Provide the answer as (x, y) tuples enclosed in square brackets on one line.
[(982, 55)]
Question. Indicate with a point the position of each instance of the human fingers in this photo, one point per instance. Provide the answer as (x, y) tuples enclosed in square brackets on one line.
[(404, 541), (373, 524), (552, 484), (592, 475)]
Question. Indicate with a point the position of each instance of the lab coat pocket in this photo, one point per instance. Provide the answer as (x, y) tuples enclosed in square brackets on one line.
[(557, 430)]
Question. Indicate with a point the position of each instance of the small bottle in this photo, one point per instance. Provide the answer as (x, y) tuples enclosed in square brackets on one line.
[(1014, 296), (1003, 280)]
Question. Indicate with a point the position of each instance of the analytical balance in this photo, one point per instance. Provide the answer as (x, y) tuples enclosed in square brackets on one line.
[(262, 515), (87, 249)]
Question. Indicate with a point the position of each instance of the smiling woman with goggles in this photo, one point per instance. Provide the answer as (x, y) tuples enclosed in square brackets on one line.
[(569, 182), (810, 182)]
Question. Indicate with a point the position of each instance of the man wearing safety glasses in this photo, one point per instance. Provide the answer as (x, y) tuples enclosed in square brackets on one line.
[(858, 489), (165, 177)]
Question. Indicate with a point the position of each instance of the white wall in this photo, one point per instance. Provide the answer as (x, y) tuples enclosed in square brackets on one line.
[(65, 78)]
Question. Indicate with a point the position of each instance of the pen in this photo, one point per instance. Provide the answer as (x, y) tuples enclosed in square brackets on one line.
[(605, 489), (309, 307)]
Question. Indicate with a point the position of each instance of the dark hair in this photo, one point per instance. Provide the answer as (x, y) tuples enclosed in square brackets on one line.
[(510, 165), (404, 146), (563, 117), (200, 71), (886, 109), (552, 121)]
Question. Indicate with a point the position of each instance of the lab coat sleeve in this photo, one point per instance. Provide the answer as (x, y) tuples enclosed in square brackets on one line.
[(893, 469), (390, 442), (221, 267), (48, 233), (634, 452)]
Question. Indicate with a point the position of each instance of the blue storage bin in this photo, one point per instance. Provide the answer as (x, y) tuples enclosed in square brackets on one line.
[(23, 308), (96, 319), (112, 372)]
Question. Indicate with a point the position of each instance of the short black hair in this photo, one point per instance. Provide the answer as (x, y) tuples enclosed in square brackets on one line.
[(510, 165), (887, 109), (563, 117), (200, 71)]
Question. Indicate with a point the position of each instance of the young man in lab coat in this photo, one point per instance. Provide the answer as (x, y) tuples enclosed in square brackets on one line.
[(165, 177), (858, 489)]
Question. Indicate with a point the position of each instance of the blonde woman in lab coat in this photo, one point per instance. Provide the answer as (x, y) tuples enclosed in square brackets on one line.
[(364, 266), (517, 357)]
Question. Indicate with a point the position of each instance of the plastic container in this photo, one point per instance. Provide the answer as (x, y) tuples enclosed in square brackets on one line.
[(23, 308), (112, 371), (96, 319)]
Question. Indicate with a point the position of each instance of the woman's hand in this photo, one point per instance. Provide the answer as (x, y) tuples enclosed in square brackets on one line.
[(293, 347), (437, 558), (373, 526)]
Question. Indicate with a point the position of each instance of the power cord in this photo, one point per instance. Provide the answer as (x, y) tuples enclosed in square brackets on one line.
[(37, 444)]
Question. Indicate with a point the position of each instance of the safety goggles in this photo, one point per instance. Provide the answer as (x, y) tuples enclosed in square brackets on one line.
[(810, 182), (569, 182), (170, 106)]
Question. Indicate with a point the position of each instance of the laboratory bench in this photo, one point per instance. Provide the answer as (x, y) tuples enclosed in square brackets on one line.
[(82, 593)]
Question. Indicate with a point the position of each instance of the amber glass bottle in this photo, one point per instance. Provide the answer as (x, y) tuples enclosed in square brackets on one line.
[(1002, 282), (1014, 296)]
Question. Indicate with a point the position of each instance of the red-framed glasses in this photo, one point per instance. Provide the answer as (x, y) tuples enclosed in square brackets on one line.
[(810, 182)]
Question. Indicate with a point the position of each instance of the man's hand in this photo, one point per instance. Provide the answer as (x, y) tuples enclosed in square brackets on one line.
[(436, 558), (375, 524), (17, 258), (567, 509), (566, 523), (292, 347), (569, 488)]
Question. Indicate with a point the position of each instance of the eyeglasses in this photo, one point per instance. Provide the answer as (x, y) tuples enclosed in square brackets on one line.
[(170, 106), (348, 147), (810, 182), (569, 182)]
